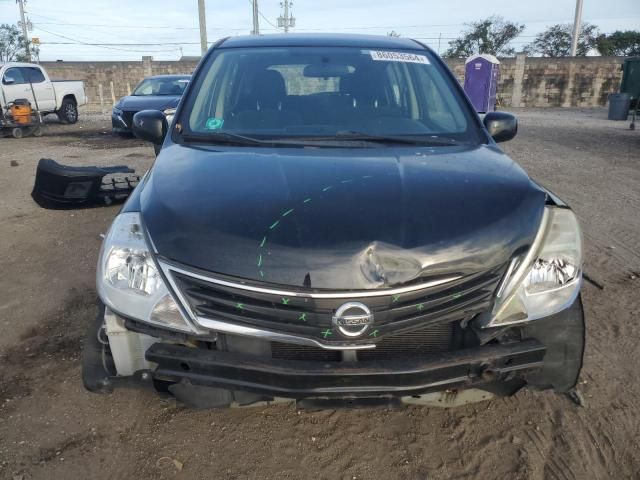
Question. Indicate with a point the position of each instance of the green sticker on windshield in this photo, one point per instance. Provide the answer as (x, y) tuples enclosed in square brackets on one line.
[(214, 123)]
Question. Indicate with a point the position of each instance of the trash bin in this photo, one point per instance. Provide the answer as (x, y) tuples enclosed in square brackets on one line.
[(619, 104)]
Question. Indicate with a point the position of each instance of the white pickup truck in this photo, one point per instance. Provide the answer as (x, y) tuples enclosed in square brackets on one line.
[(30, 81)]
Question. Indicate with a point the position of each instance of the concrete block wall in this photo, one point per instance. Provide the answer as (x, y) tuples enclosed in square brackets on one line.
[(580, 82), (112, 80), (524, 81)]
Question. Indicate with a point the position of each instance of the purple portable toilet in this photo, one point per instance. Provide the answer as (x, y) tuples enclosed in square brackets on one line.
[(481, 81)]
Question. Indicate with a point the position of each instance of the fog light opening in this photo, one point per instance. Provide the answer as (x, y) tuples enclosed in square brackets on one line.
[(488, 375)]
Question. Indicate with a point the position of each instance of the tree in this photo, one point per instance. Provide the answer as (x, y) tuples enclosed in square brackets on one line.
[(555, 41), (619, 43), (13, 45), (492, 35)]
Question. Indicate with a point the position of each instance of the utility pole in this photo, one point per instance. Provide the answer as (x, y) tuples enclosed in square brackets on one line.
[(203, 27), (577, 24), (256, 24), (285, 20), (23, 23), (286, 16)]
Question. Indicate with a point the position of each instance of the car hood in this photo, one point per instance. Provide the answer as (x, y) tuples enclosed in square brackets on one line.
[(148, 102), (339, 218)]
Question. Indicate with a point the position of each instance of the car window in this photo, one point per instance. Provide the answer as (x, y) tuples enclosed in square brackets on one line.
[(32, 74), (310, 91), (161, 86), (15, 74), (437, 104)]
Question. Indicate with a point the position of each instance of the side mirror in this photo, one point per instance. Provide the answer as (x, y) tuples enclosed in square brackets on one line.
[(150, 125), (8, 80), (501, 126)]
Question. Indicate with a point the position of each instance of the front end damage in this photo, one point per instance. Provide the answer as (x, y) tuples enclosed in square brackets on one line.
[(502, 314), (229, 370)]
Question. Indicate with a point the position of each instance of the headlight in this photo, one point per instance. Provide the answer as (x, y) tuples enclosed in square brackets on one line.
[(169, 113), (128, 280), (117, 111), (547, 280)]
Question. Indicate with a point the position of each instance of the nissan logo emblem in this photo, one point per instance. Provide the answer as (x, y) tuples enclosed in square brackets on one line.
[(352, 319)]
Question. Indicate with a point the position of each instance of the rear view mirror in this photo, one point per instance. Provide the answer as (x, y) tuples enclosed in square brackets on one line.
[(8, 80), (150, 125), (501, 126), (325, 70)]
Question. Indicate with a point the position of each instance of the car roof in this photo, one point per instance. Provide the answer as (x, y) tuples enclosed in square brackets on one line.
[(321, 40), (18, 64), (171, 76)]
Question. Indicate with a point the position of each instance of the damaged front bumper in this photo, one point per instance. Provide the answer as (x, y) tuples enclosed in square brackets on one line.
[(306, 379), (544, 354)]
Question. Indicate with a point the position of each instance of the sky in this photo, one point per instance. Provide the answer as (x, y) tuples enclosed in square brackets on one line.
[(168, 29)]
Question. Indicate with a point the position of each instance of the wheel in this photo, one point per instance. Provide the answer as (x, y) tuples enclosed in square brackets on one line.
[(16, 132), (37, 131), (68, 112)]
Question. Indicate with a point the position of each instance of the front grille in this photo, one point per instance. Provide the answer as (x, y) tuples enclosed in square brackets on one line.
[(423, 341), (307, 316), (291, 351)]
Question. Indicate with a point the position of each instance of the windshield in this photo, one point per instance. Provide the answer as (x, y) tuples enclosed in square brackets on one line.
[(161, 86), (334, 92)]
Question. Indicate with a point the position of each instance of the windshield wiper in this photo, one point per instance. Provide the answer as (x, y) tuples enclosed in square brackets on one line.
[(404, 139), (236, 139), (225, 137), (320, 141)]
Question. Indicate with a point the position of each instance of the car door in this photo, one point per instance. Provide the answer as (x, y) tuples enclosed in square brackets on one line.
[(15, 86), (43, 89)]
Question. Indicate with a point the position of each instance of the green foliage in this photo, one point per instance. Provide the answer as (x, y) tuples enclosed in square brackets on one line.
[(555, 41), (619, 43), (491, 35), (13, 45)]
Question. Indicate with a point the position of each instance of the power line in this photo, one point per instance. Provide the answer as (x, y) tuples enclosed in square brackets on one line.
[(265, 18), (127, 26), (74, 41), (97, 44)]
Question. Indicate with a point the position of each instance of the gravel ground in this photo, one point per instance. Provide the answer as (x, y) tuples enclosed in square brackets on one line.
[(50, 428)]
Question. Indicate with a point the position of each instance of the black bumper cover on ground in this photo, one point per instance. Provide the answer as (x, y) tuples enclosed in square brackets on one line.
[(304, 379), (66, 186)]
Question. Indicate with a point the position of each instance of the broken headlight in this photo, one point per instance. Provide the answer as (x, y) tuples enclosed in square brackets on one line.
[(128, 279), (547, 280)]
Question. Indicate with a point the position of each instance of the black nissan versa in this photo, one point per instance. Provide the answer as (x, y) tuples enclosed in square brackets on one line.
[(160, 92), (330, 222)]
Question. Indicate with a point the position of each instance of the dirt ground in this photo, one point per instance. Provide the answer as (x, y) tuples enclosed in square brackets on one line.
[(50, 428)]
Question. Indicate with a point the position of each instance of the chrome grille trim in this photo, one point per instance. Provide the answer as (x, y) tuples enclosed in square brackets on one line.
[(226, 327), (167, 267)]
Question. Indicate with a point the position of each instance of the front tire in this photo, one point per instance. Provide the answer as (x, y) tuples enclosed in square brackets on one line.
[(68, 112)]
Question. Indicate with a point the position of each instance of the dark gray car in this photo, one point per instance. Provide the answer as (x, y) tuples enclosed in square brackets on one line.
[(330, 223), (160, 92)]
